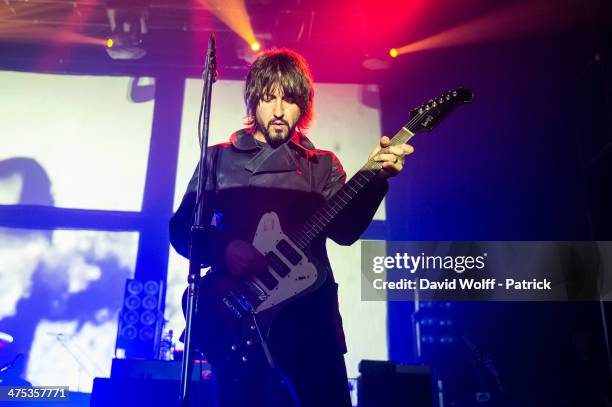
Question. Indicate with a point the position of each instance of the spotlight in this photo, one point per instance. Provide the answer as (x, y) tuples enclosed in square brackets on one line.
[(393, 52), (128, 26), (255, 46)]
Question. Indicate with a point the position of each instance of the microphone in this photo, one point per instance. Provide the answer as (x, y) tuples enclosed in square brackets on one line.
[(210, 66), (212, 44)]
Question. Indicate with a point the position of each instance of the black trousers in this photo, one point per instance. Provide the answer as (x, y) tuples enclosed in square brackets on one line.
[(314, 379)]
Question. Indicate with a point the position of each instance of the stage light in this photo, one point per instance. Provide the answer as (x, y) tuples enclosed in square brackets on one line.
[(393, 52), (125, 46), (128, 27), (255, 46)]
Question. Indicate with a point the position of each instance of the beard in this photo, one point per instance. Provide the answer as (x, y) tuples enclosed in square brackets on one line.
[(275, 136)]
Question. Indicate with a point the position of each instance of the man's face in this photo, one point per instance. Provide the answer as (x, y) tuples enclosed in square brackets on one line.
[(276, 116)]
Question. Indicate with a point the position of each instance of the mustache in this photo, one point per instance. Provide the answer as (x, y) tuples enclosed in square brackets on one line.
[(286, 123)]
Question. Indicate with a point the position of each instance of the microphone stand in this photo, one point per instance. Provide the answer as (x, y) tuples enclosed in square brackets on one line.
[(209, 75)]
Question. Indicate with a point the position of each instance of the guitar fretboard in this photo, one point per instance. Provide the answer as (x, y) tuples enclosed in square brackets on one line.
[(321, 219)]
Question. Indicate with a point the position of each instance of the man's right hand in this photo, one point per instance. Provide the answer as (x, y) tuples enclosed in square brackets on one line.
[(242, 258)]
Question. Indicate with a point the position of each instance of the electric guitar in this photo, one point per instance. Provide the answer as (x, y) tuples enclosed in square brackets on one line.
[(234, 314)]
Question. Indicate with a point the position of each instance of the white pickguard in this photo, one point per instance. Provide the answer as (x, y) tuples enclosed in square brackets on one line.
[(301, 277)]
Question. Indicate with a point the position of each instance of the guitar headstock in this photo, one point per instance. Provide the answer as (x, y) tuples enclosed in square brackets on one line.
[(427, 116)]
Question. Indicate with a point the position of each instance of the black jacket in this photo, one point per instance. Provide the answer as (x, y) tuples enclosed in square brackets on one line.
[(293, 180)]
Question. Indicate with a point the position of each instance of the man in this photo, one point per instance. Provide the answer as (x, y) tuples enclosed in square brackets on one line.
[(272, 166)]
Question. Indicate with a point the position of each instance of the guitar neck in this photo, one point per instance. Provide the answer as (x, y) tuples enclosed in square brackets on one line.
[(320, 220)]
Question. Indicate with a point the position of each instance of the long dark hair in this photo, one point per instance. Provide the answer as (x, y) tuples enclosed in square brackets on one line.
[(288, 70)]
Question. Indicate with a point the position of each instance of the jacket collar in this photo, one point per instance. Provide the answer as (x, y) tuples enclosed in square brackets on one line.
[(279, 159)]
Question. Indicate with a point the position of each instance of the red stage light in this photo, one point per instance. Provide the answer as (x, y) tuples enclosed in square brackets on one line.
[(393, 52), (255, 46)]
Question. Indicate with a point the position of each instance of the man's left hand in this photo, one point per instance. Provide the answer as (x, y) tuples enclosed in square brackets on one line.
[(392, 159)]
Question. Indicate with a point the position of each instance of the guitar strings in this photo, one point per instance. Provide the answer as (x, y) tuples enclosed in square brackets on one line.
[(369, 170)]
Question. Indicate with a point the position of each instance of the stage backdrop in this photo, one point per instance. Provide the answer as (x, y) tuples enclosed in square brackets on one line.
[(71, 142), (82, 142)]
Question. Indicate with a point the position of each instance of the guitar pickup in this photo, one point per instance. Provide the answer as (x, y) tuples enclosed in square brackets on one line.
[(267, 279), (277, 264), (289, 252)]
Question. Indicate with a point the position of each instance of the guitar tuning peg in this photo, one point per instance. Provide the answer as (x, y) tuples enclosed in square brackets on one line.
[(454, 93), (441, 100)]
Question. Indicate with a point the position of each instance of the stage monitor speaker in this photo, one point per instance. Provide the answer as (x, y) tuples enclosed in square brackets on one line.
[(140, 320), (383, 383)]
